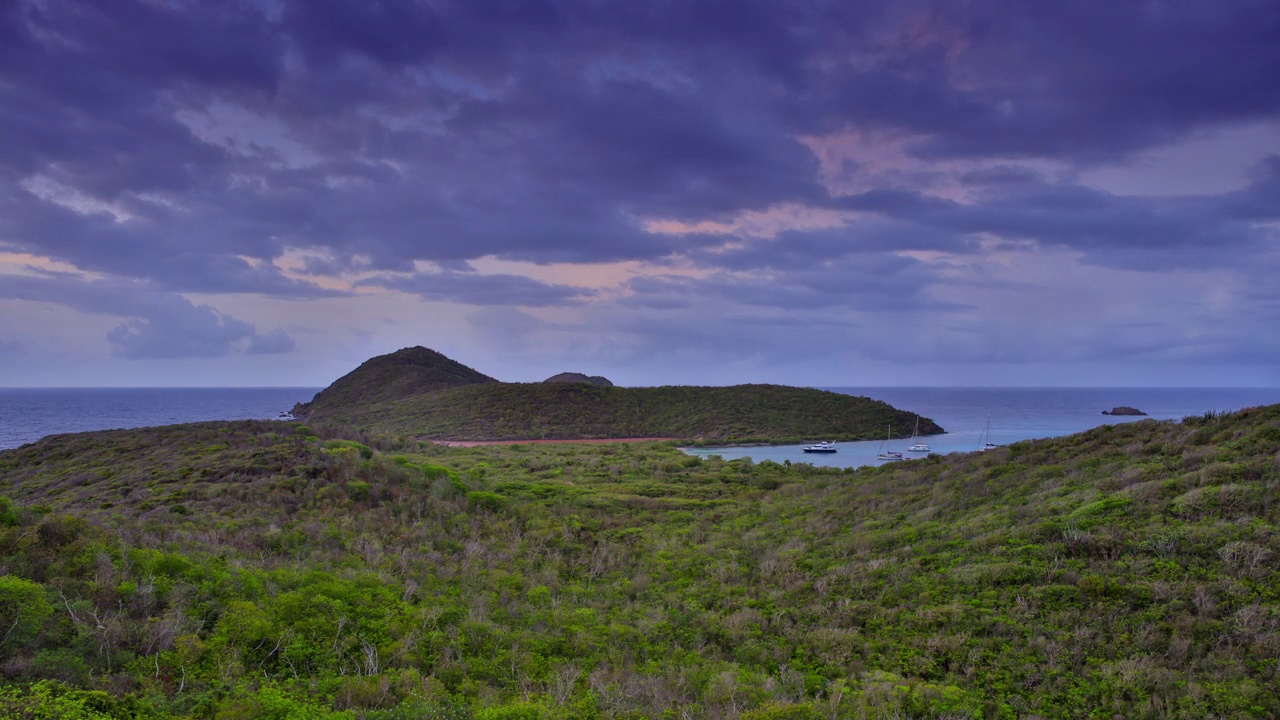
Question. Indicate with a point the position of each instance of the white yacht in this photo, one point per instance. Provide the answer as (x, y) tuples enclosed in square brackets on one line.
[(820, 447)]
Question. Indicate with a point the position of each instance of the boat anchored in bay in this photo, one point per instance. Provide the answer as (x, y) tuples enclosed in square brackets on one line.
[(916, 445), (888, 454), (984, 443)]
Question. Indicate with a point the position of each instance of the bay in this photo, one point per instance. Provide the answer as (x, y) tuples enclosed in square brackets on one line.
[(26, 415), (1015, 414)]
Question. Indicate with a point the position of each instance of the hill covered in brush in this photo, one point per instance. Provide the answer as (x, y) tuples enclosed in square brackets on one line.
[(419, 392), (255, 570), (391, 377)]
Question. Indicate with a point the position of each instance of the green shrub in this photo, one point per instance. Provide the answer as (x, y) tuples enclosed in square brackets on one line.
[(487, 500), (51, 700), (60, 664), (1100, 507), (774, 711), (23, 610), (365, 451), (513, 711), (432, 472), (8, 512), (270, 703)]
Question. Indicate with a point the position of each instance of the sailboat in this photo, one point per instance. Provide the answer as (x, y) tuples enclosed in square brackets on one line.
[(916, 445), (888, 454), (985, 441)]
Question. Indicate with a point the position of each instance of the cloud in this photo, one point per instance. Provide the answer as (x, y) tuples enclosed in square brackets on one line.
[(472, 288), (452, 131), (273, 343), (290, 149), (160, 325)]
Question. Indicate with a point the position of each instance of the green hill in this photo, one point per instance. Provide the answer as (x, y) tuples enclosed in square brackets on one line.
[(254, 570), (386, 395), (393, 376)]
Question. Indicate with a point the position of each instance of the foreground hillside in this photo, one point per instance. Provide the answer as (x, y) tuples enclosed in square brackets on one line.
[(254, 570), (418, 392)]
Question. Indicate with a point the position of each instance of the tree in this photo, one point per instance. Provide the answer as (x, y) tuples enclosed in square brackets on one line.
[(23, 610)]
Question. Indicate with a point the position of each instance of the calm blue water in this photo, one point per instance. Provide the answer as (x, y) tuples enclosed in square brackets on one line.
[(1016, 414), (28, 415)]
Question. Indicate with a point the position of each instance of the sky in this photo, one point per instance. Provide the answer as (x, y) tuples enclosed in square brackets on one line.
[(268, 192)]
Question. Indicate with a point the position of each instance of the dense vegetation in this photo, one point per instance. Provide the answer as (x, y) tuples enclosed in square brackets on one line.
[(742, 413), (420, 393), (226, 570)]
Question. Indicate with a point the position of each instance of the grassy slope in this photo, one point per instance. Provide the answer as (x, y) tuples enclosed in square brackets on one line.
[(1130, 571), (577, 410)]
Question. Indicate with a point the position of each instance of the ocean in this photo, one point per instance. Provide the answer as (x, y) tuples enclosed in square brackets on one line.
[(26, 415), (1015, 414)]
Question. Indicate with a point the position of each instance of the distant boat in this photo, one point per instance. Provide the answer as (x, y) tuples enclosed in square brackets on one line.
[(916, 445), (985, 441), (885, 454), (820, 447)]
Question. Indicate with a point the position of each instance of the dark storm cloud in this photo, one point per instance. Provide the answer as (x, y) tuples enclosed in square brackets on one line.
[(777, 339), (1138, 233), (854, 281), (1260, 200), (1094, 79), (474, 289), (1086, 81), (1000, 175), (158, 325), (867, 242), (191, 144)]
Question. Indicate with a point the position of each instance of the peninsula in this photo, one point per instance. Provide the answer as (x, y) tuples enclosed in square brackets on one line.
[(420, 393)]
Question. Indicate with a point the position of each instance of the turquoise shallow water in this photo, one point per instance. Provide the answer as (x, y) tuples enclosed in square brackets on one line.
[(1016, 414)]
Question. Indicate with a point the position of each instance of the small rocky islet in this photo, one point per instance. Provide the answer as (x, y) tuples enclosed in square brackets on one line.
[(1123, 410)]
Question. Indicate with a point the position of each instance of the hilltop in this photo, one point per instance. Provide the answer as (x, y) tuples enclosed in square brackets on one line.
[(421, 393), (254, 569), (577, 377), (405, 372)]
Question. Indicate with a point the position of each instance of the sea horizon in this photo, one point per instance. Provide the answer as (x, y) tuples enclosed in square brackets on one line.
[(1018, 412), (318, 388)]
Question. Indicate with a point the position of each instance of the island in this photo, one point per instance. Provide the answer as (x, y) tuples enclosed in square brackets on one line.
[(575, 377), (420, 393), (1123, 410)]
